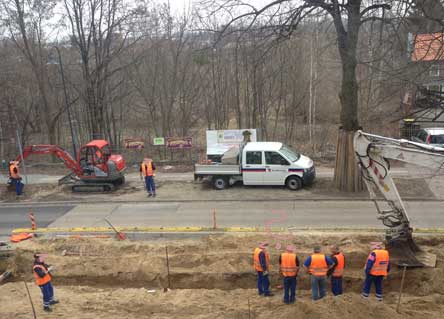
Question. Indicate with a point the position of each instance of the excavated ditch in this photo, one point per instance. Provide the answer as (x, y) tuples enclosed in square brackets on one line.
[(218, 262)]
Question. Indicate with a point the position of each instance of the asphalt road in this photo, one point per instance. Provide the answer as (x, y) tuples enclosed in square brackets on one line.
[(297, 214), (18, 217)]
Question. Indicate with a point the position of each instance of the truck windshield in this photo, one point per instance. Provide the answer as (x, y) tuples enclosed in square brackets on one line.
[(289, 153)]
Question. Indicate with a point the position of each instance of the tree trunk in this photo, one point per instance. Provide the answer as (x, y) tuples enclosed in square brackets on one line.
[(347, 176)]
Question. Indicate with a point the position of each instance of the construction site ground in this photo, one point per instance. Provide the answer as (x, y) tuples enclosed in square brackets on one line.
[(177, 184), (210, 277)]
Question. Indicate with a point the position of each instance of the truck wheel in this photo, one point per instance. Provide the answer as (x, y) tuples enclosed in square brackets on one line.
[(220, 182), (293, 183)]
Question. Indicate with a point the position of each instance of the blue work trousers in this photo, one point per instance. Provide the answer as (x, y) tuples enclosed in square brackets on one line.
[(336, 285), (18, 186), (150, 186), (48, 293), (369, 279), (263, 284), (290, 289), (318, 284)]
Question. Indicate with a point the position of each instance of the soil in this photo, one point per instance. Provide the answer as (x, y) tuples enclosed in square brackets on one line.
[(133, 190), (210, 277)]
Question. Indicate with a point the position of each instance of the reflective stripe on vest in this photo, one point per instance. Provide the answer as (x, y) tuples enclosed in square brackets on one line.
[(147, 169), (339, 269), (318, 266), (380, 265), (38, 280), (257, 262), (11, 171), (288, 265)]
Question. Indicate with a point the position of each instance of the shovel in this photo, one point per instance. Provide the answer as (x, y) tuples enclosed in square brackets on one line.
[(120, 235)]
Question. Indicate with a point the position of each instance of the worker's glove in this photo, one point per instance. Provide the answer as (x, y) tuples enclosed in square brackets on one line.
[(265, 273), (51, 268)]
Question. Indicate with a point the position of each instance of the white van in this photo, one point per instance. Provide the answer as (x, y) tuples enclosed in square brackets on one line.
[(261, 163)]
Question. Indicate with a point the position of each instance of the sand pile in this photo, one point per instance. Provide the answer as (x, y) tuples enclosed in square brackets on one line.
[(210, 277)]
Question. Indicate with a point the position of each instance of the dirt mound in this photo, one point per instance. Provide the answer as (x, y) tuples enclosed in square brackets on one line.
[(211, 278)]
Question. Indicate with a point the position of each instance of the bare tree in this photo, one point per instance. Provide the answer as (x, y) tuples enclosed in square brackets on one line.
[(26, 22), (282, 17)]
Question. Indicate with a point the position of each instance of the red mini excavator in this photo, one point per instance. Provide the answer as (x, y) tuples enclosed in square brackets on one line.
[(94, 170)]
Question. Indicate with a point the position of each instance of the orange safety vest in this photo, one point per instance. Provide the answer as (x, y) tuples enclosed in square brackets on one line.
[(318, 266), (339, 269), (11, 171), (380, 265), (288, 265), (38, 280), (257, 262), (147, 169)]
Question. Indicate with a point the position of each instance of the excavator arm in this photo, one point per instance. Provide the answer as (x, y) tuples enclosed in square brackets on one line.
[(54, 150), (372, 152)]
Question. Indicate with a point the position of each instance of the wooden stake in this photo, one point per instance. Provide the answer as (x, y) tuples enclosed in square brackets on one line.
[(214, 219), (168, 267), (30, 300), (249, 309), (402, 285)]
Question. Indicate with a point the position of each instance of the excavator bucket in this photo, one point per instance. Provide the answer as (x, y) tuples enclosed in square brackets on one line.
[(405, 252)]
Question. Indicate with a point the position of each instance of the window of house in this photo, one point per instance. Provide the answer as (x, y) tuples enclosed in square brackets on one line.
[(434, 88), (434, 70), (254, 158)]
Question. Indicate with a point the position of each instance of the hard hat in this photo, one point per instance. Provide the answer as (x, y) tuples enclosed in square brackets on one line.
[(263, 245), (290, 248)]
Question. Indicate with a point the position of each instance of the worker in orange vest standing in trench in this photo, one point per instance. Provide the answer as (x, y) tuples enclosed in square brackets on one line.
[(261, 259), (289, 269), (147, 169), (337, 271), (42, 277), (376, 268), (317, 266)]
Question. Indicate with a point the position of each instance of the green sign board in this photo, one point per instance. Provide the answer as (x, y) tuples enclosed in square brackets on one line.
[(158, 141)]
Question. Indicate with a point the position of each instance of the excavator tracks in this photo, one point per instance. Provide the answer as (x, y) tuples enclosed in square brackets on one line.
[(93, 188)]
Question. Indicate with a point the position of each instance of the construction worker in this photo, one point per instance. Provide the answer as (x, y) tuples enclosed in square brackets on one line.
[(15, 178), (42, 277), (317, 266), (289, 263), (147, 169), (337, 271), (261, 259), (376, 268)]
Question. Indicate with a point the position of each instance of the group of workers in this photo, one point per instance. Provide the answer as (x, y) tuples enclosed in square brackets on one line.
[(319, 266)]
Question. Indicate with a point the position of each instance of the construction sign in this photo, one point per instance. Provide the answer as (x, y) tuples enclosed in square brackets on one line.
[(179, 142), (159, 141), (134, 143)]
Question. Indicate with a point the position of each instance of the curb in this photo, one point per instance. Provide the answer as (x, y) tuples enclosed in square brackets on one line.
[(209, 230), (309, 199)]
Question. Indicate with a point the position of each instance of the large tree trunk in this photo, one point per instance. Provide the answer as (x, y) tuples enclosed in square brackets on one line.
[(347, 176)]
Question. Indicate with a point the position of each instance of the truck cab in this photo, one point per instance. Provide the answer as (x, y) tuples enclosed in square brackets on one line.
[(273, 163)]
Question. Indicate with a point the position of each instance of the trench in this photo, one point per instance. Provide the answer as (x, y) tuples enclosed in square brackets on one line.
[(224, 271)]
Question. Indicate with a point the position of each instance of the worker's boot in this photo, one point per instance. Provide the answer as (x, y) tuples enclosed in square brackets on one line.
[(53, 302), (47, 309)]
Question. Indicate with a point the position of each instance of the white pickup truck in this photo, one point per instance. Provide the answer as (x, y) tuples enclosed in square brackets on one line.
[(261, 163)]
